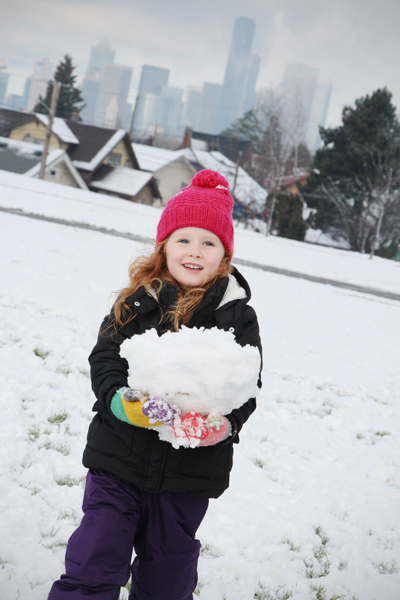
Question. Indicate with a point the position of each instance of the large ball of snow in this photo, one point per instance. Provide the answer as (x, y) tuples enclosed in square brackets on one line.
[(203, 370)]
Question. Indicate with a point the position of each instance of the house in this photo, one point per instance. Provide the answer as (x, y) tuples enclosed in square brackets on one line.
[(99, 152), (291, 183), (31, 127), (25, 158), (93, 151), (172, 171), (246, 192), (129, 184), (175, 169)]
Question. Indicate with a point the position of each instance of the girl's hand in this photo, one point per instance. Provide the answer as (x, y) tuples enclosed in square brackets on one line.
[(194, 430), (219, 428), (160, 410), (127, 405)]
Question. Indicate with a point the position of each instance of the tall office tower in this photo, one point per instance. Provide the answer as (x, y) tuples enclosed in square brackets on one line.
[(36, 84), (3, 82), (162, 112), (172, 109), (13, 101), (319, 111), (210, 102), (152, 80), (100, 55), (113, 97), (238, 89), (192, 105), (296, 95)]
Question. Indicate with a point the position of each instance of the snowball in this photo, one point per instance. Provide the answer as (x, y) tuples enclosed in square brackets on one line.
[(203, 370)]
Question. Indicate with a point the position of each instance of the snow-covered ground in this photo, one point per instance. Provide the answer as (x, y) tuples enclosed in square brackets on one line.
[(314, 504)]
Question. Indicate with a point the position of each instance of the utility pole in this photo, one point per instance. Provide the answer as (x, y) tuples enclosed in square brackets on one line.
[(296, 148), (239, 157), (53, 106), (271, 214), (133, 117)]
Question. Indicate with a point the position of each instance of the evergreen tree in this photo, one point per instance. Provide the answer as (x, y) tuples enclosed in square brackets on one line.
[(287, 216), (355, 186), (70, 100), (247, 127)]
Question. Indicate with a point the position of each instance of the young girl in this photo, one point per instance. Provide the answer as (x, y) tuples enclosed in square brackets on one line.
[(141, 492)]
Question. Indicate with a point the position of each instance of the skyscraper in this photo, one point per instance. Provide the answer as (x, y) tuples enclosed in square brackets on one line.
[(113, 94), (238, 89), (303, 104), (3, 82), (152, 81), (296, 92), (36, 84), (319, 111), (210, 100), (161, 112), (100, 55), (192, 106)]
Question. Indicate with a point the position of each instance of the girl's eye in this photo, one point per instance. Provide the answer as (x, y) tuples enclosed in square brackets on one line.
[(208, 244), (183, 241)]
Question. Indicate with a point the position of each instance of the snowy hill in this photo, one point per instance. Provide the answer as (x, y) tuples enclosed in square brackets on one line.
[(313, 507), (113, 213)]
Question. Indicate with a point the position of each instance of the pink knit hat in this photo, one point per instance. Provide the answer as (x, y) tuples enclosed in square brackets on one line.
[(205, 203)]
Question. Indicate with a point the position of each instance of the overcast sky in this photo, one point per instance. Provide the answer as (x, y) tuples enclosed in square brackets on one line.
[(355, 44)]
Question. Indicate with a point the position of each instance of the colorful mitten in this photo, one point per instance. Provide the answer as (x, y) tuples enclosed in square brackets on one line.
[(127, 404), (218, 428), (159, 409), (194, 430), (133, 407)]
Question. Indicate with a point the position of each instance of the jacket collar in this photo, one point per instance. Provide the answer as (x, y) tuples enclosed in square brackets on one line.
[(234, 291), (226, 289)]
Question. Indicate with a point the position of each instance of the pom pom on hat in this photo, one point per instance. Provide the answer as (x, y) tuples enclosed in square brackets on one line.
[(209, 179), (205, 203)]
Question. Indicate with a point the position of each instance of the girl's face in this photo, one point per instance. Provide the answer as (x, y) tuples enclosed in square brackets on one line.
[(193, 255)]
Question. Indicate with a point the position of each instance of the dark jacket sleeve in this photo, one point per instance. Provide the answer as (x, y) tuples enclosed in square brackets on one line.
[(108, 370), (248, 335)]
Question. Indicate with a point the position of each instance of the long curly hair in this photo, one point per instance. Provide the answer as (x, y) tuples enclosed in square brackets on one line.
[(153, 271)]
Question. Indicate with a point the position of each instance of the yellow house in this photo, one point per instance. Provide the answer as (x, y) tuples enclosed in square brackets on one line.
[(32, 127), (94, 152)]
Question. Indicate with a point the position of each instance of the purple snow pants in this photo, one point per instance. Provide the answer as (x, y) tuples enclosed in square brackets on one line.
[(117, 518)]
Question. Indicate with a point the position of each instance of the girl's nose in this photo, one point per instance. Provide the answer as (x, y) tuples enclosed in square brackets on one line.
[(195, 250)]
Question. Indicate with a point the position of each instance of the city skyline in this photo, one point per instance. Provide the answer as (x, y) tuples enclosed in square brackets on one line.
[(353, 43), (163, 110)]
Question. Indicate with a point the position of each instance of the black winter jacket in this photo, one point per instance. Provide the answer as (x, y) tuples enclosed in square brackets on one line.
[(136, 454)]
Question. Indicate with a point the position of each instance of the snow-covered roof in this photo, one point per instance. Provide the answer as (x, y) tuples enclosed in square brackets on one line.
[(57, 158), (123, 180), (247, 190), (151, 158), (102, 153), (9, 119), (25, 158), (59, 128), (198, 144)]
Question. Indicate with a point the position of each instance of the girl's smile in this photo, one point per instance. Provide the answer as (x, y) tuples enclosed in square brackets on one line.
[(193, 255)]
